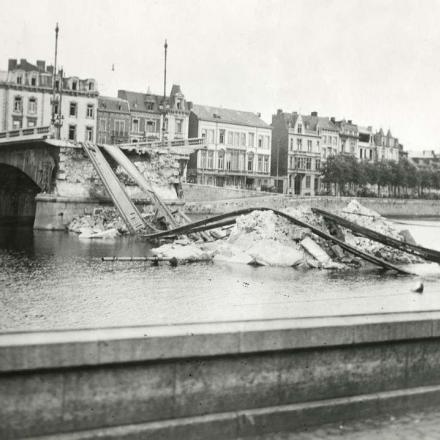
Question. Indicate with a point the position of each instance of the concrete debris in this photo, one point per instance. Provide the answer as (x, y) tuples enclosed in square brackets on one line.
[(315, 251), (102, 219), (183, 253)]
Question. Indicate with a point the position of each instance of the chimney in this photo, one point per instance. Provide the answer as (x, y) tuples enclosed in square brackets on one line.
[(22, 60), (50, 69), (190, 105), (314, 114), (279, 111), (333, 119), (41, 65), (259, 114), (12, 64), (349, 121)]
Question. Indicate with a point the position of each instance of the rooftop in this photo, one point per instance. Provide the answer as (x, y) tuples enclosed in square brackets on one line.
[(228, 116)]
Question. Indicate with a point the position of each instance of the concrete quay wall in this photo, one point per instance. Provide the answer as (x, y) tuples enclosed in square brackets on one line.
[(216, 381), (386, 207)]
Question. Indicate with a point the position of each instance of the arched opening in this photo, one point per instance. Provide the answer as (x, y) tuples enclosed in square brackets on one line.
[(17, 196)]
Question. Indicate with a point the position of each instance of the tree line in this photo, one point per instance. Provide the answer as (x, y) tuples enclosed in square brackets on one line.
[(344, 175)]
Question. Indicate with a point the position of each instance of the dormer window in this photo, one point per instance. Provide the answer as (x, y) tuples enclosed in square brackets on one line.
[(90, 86), (150, 105), (178, 105), (19, 79), (299, 129), (34, 81), (74, 85)]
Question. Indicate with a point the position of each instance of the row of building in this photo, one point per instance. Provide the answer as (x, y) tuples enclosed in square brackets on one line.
[(241, 149)]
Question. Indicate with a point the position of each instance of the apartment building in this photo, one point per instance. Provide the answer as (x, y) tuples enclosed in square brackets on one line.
[(296, 153), (153, 118), (387, 146), (238, 148), (113, 120), (26, 96)]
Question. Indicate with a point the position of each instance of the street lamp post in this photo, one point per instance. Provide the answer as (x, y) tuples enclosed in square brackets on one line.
[(164, 104)]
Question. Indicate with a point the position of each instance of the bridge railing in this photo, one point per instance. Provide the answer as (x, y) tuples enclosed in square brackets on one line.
[(192, 142), (25, 133)]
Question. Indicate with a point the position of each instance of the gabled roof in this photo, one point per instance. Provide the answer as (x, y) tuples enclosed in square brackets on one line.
[(228, 116), (108, 103), (138, 101), (324, 123)]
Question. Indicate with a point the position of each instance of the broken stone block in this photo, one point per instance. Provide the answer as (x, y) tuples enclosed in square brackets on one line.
[(315, 251), (407, 237)]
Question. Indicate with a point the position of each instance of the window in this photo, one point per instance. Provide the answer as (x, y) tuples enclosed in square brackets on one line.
[(291, 144), (203, 159), (230, 137), (18, 104), (251, 139), (119, 127), (74, 85), (221, 160), (90, 86), (72, 110), (32, 106), (150, 126), (72, 132), (260, 163), (135, 126), (308, 181), (299, 128), (102, 124), (31, 123), (210, 160), (90, 111), (318, 164), (299, 144), (19, 79), (16, 123), (89, 134), (179, 126), (222, 136), (228, 161), (178, 105), (309, 146), (243, 139), (55, 108), (266, 164), (260, 141), (308, 163), (150, 105), (250, 163), (33, 81), (324, 138)]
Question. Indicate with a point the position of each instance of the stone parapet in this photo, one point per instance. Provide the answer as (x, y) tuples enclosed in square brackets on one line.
[(216, 380)]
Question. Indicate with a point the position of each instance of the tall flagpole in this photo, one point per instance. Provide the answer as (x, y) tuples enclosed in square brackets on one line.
[(164, 90), (54, 74)]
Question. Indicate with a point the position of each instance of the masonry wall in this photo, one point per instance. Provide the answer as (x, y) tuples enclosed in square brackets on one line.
[(216, 381)]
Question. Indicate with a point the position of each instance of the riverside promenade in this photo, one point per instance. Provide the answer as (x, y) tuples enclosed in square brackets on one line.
[(217, 380)]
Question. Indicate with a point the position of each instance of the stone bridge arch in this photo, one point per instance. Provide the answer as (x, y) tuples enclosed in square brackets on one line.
[(36, 163)]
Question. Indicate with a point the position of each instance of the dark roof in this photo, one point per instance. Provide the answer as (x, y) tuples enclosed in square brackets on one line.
[(113, 104), (138, 101), (27, 66), (324, 123), (228, 116)]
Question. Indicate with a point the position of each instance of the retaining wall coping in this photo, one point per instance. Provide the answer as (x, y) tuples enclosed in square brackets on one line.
[(87, 347)]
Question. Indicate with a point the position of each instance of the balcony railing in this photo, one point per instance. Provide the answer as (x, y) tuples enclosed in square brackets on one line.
[(192, 142), (233, 172)]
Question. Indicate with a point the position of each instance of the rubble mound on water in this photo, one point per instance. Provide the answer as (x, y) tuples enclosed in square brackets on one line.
[(264, 238)]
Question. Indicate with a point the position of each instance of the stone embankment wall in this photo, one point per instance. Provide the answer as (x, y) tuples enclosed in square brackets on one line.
[(386, 207), (199, 193), (216, 381)]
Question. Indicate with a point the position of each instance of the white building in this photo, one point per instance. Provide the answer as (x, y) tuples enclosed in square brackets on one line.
[(26, 100), (238, 148)]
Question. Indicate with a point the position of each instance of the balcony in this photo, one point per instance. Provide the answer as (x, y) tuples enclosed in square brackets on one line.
[(25, 134)]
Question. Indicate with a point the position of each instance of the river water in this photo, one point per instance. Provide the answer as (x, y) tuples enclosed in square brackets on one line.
[(53, 280)]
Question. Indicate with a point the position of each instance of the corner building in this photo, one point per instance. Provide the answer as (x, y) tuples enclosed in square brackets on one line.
[(238, 148)]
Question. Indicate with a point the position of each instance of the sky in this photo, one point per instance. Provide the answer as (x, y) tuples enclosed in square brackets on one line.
[(376, 62)]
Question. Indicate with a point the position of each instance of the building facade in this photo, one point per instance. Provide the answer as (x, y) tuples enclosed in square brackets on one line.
[(238, 148), (296, 153), (349, 137), (151, 118), (387, 146), (26, 95), (366, 146), (113, 120)]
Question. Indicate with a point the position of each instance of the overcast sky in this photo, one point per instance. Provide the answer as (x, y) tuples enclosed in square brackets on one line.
[(375, 62)]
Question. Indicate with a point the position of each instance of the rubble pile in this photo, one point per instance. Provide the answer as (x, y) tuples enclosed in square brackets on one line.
[(264, 238)]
